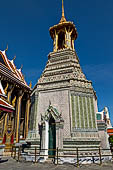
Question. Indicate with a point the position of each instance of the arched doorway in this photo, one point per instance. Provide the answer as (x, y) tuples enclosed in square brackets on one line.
[(51, 132), (61, 40), (52, 137)]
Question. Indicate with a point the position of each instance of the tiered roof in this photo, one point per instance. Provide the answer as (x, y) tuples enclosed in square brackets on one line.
[(4, 105), (8, 68)]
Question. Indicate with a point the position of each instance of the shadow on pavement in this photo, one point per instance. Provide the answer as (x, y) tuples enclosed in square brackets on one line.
[(2, 161)]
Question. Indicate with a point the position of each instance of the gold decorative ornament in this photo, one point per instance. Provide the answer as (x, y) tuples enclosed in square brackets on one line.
[(30, 85), (21, 67), (6, 48), (14, 58), (14, 101), (63, 16), (2, 118), (5, 90)]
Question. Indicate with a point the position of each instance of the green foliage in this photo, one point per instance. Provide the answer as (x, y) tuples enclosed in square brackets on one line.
[(111, 140)]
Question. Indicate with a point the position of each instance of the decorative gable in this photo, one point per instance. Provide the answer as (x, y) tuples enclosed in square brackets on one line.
[(52, 111)]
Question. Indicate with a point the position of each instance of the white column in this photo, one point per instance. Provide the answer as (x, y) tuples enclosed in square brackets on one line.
[(46, 137)]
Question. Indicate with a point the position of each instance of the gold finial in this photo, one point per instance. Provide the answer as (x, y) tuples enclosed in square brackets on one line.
[(63, 8), (14, 58), (21, 67), (6, 48), (30, 85), (63, 16)]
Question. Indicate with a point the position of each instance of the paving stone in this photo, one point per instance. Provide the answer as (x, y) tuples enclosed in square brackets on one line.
[(12, 164)]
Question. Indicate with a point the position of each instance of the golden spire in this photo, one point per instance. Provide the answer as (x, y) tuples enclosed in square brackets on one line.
[(63, 8), (63, 16)]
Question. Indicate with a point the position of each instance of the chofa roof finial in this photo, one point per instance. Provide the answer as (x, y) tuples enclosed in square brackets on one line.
[(14, 58), (21, 67), (30, 85), (6, 48)]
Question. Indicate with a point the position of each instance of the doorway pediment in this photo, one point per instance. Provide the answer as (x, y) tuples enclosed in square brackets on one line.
[(52, 111)]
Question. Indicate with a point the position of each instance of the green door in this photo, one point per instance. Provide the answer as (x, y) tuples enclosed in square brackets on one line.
[(52, 137)]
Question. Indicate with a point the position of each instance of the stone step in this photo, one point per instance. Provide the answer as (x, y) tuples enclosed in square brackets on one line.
[(49, 160)]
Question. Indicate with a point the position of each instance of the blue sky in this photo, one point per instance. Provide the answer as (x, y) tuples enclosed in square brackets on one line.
[(25, 28)]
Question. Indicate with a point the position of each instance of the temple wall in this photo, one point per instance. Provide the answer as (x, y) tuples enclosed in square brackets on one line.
[(60, 100), (83, 112), (104, 139)]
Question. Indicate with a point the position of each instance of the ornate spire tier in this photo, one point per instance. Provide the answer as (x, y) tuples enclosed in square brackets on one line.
[(63, 34)]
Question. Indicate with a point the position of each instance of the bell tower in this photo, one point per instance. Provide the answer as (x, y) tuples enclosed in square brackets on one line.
[(63, 34), (63, 97)]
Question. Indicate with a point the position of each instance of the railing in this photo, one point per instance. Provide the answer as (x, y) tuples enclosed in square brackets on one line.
[(77, 153)]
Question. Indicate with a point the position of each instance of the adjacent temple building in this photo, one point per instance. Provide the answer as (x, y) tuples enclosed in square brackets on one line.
[(64, 103), (14, 102)]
